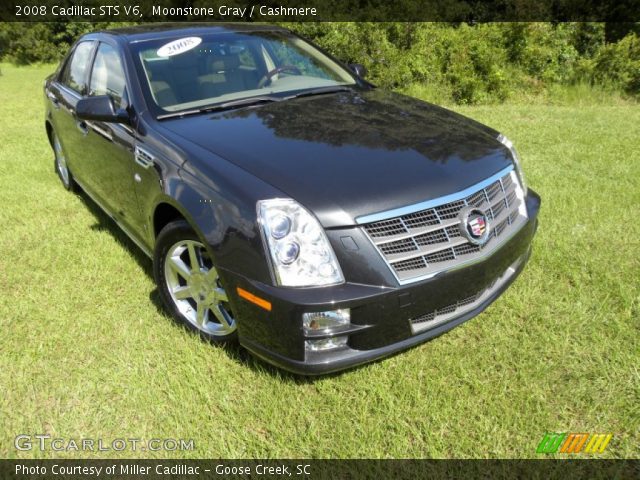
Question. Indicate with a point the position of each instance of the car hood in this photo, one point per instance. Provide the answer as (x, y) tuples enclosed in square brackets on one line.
[(348, 154)]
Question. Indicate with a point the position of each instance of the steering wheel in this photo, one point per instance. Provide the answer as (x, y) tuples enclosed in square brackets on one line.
[(270, 74)]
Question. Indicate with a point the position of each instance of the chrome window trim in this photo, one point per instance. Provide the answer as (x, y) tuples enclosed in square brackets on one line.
[(416, 207), (69, 90)]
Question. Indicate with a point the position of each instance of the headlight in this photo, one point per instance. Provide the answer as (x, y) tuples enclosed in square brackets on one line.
[(300, 252), (516, 160)]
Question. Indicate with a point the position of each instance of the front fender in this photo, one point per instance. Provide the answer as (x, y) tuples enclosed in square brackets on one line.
[(218, 199), (223, 215)]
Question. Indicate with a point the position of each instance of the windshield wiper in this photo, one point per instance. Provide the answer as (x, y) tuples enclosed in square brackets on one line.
[(319, 91), (242, 102), (246, 102)]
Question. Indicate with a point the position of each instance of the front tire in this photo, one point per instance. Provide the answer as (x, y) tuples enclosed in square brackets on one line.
[(60, 165), (189, 284)]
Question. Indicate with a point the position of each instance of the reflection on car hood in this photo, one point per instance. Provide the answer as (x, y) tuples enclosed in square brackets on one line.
[(349, 154)]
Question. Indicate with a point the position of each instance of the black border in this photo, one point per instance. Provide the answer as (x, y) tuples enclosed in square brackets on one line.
[(349, 10)]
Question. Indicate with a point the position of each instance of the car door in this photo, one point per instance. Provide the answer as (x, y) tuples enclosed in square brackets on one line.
[(109, 146), (64, 94)]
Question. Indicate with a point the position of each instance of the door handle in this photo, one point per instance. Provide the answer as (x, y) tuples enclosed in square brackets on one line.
[(54, 100), (82, 126)]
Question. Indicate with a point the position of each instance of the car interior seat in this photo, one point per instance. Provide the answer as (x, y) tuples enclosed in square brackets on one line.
[(225, 75)]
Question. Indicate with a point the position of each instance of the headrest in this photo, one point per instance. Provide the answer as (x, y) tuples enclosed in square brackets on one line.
[(221, 63), (184, 60)]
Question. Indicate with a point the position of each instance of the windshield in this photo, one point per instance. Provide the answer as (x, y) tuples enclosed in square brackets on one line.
[(185, 73)]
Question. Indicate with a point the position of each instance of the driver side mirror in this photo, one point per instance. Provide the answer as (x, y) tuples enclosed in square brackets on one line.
[(359, 69), (101, 109)]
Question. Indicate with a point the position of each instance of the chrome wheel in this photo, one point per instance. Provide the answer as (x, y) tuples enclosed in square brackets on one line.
[(61, 161), (194, 286)]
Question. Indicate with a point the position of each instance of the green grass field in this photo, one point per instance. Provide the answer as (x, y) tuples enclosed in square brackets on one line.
[(86, 352)]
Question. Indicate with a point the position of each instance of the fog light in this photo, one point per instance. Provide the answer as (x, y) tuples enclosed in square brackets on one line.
[(325, 344), (326, 321)]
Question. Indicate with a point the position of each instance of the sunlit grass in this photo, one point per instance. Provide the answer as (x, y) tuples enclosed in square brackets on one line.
[(85, 352), (577, 95)]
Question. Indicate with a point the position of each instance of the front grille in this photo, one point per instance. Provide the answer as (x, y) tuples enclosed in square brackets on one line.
[(449, 312), (420, 244)]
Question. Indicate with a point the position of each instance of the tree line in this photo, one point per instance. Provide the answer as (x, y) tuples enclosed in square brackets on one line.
[(468, 63)]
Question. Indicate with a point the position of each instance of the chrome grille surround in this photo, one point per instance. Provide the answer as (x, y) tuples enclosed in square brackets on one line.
[(449, 312), (420, 241)]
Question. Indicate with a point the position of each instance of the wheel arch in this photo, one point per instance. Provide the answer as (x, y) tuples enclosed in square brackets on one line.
[(167, 210), (163, 214)]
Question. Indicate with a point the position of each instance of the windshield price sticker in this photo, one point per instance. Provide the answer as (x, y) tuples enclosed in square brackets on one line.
[(178, 46)]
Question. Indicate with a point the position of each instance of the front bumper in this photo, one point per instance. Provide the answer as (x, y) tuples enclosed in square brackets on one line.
[(380, 314)]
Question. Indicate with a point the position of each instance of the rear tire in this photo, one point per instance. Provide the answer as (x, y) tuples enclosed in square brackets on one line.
[(189, 284), (60, 165)]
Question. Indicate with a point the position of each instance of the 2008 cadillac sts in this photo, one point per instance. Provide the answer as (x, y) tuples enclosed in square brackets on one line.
[(285, 201)]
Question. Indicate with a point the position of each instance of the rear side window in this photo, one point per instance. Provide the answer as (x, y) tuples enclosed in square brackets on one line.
[(107, 76), (74, 74)]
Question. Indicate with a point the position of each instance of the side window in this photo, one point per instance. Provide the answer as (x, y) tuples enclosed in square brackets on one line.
[(74, 73), (107, 76)]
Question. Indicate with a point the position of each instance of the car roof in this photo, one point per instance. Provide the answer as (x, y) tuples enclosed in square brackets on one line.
[(159, 30)]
